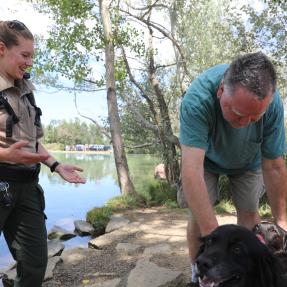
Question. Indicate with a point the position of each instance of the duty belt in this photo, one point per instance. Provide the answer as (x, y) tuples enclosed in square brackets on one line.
[(19, 173)]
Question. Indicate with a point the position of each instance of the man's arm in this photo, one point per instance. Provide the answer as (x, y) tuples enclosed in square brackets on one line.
[(275, 179), (194, 189)]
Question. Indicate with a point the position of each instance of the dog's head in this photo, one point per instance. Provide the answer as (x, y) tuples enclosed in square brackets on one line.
[(232, 256)]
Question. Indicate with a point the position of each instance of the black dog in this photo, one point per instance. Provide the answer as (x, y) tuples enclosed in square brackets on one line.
[(232, 256)]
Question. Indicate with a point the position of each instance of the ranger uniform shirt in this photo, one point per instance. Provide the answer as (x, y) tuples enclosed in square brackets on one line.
[(25, 129), (228, 150)]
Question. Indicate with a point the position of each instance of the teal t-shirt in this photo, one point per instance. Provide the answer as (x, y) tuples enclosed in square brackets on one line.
[(228, 150)]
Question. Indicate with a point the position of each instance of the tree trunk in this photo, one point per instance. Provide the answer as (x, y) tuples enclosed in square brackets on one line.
[(125, 182), (165, 130)]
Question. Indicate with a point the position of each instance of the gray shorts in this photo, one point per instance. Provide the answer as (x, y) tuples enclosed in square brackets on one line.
[(246, 189)]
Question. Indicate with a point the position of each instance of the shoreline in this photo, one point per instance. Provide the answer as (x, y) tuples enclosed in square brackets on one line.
[(81, 151)]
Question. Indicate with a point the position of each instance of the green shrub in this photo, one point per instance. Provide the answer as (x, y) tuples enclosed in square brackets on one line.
[(123, 202), (99, 218), (160, 192), (265, 210), (171, 204), (224, 188)]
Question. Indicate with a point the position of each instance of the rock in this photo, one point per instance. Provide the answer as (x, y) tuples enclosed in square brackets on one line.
[(58, 232), (52, 262), (83, 227), (128, 247), (117, 221), (148, 274), (55, 247), (159, 172), (106, 239), (10, 275), (157, 249), (110, 283)]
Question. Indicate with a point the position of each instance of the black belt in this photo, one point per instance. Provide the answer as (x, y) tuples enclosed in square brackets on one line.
[(19, 173)]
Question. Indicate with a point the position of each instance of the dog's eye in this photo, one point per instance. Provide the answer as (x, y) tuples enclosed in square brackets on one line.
[(236, 250), (208, 241)]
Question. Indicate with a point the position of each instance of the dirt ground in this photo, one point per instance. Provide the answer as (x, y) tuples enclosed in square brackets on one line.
[(107, 263)]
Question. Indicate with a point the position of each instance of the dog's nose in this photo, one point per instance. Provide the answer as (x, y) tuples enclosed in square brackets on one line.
[(203, 263)]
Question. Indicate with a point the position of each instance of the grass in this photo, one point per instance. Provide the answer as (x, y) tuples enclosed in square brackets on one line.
[(157, 193), (225, 206)]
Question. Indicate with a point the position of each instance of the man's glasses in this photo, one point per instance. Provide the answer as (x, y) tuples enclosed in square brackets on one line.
[(16, 25)]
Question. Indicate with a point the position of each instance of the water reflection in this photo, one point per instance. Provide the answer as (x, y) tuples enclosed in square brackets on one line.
[(66, 202)]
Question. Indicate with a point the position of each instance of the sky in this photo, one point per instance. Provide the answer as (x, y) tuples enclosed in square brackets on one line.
[(54, 105)]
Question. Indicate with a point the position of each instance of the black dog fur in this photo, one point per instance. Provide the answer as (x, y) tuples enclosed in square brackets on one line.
[(232, 256)]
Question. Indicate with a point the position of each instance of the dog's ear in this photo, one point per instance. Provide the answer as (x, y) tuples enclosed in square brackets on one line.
[(202, 245)]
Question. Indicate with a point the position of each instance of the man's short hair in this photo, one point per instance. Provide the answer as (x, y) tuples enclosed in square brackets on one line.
[(254, 72)]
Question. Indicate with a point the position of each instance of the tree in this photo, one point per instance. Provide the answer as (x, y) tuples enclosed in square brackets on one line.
[(268, 27), (125, 182), (72, 132)]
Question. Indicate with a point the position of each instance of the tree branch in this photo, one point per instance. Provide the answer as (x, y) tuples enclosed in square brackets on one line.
[(102, 129)]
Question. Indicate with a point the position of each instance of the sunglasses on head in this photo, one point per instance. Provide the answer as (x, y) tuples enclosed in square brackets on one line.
[(16, 25)]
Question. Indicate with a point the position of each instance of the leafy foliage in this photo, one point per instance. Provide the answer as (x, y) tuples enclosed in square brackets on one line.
[(72, 133), (123, 202)]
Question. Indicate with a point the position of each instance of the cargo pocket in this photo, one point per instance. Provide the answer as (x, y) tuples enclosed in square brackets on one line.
[(42, 198)]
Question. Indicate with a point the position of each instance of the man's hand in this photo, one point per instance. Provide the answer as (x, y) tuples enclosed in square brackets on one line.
[(17, 155), (69, 173)]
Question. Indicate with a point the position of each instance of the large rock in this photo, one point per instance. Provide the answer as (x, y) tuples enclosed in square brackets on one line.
[(52, 262), (55, 247), (128, 248), (158, 249), (148, 274), (83, 228), (117, 221), (106, 239), (10, 275), (159, 172), (58, 232), (114, 236)]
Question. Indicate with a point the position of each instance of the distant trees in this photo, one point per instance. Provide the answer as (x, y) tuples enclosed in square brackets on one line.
[(72, 132)]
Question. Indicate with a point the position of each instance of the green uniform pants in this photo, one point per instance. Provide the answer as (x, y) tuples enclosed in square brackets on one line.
[(23, 226)]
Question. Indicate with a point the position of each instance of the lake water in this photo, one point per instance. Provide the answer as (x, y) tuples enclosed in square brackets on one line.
[(67, 202)]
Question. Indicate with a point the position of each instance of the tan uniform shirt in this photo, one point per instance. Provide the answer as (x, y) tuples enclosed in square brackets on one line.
[(25, 129)]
